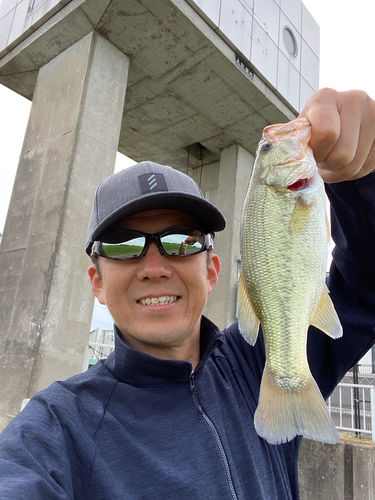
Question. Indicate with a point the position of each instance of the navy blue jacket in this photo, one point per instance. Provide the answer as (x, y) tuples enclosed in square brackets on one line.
[(135, 427)]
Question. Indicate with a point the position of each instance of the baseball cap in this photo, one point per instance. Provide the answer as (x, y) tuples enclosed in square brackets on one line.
[(147, 186)]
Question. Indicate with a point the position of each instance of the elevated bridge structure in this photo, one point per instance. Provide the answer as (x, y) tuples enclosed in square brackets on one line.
[(190, 84)]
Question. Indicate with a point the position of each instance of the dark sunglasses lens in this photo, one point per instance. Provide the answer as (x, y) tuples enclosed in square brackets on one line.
[(182, 243), (126, 244), (128, 249)]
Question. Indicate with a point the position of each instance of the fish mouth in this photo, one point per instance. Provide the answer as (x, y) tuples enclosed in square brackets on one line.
[(300, 184), (300, 127)]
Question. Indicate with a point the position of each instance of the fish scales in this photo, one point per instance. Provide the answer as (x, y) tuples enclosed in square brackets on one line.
[(281, 276), (284, 247)]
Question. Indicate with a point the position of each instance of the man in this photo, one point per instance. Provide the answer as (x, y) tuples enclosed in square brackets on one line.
[(169, 415)]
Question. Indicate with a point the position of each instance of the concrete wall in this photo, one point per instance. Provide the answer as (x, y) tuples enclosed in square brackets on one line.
[(344, 471), (253, 28)]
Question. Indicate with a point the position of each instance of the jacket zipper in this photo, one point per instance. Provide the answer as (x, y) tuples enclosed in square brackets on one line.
[(215, 433)]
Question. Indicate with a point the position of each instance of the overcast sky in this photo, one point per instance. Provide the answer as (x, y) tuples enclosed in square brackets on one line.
[(346, 62)]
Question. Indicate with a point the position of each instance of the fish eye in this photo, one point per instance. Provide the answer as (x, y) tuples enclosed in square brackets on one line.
[(266, 146)]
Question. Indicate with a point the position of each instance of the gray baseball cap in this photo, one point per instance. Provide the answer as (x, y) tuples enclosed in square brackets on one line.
[(146, 186)]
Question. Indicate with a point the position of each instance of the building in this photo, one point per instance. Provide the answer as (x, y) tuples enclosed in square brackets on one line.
[(188, 83)]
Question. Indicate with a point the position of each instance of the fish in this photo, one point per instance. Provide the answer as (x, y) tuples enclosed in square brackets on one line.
[(284, 249)]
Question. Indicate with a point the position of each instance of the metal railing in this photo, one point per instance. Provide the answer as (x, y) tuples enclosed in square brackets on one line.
[(352, 408), (364, 369), (360, 374), (99, 346)]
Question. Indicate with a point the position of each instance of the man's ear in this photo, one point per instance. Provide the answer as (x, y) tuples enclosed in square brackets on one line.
[(96, 284), (213, 272)]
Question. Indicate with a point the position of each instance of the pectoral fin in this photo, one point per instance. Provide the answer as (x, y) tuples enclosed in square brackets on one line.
[(301, 215), (248, 321), (326, 318)]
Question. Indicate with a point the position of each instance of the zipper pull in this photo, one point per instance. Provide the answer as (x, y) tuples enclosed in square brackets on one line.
[(195, 395)]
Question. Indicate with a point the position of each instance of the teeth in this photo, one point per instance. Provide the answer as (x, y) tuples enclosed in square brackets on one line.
[(156, 301)]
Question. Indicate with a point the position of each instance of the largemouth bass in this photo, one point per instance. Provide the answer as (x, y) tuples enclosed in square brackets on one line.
[(284, 249)]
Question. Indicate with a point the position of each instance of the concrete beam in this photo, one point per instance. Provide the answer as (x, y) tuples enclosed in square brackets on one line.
[(46, 300), (184, 85)]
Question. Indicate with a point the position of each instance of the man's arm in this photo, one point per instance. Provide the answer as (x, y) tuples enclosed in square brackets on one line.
[(46, 451), (33, 457), (351, 282), (343, 142)]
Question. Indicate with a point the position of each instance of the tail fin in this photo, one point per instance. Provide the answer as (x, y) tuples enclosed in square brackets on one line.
[(283, 414)]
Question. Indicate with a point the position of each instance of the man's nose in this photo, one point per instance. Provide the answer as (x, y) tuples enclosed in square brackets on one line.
[(154, 265)]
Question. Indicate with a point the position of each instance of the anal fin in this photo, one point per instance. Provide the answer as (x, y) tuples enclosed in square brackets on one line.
[(326, 318)]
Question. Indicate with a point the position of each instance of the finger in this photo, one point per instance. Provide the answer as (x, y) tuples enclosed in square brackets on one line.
[(353, 153), (346, 162), (355, 170), (321, 110), (369, 164), (346, 147)]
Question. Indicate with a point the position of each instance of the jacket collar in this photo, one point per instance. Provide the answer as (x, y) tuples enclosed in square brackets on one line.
[(140, 369)]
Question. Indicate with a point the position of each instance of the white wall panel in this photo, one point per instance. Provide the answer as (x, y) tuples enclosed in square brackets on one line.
[(288, 81), (309, 66), (310, 31), (296, 61), (5, 25), (306, 91), (267, 14), (293, 10), (264, 54), (18, 20), (249, 4), (236, 25), (210, 9), (41, 9), (6, 6)]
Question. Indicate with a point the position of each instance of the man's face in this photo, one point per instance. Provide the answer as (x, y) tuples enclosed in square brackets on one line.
[(166, 330)]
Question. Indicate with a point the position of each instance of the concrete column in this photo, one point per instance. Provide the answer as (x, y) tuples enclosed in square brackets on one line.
[(225, 184), (344, 471), (70, 146)]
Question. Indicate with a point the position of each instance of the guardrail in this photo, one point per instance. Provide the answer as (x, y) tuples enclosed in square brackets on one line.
[(99, 346), (352, 408)]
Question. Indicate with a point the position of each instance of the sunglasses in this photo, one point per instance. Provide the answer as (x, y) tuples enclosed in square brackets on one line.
[(126, 244)]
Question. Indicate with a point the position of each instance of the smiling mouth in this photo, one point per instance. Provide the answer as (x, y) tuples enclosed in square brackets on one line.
[(158, 301)]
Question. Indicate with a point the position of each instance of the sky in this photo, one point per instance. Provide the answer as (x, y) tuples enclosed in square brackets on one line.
[(346, 62)]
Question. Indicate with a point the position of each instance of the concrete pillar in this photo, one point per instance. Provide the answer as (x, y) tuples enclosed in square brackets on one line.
[(225, 184), (322, 471), (70, 146), (344, 471)]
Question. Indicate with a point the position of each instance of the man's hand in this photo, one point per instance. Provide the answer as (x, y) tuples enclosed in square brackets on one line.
[(343, 133)]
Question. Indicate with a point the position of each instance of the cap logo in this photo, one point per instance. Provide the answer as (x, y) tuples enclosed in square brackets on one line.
[(152, 182)]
